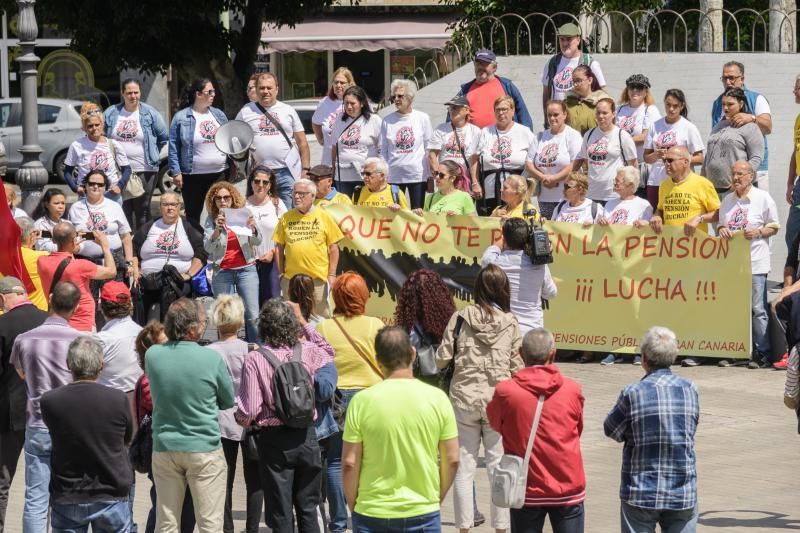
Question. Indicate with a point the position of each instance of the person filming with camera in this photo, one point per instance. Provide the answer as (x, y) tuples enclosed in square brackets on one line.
[(530, 281)]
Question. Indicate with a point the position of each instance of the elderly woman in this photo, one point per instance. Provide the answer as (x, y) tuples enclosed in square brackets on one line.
[(728, 144), (356, 136), (13, 201), (628, 209), (455, 140), (576, 207), (752, 212), (378, 193), (95, 151), (47, 214), (582, 99), (351, 334), (168, 240), (488, 332), (289, 458), (267, 208), (194, 160), (448, 199), (227, 314), (516, 199), (405, 135), (141, 132), (232, 254), (329, 111), (502, 151)]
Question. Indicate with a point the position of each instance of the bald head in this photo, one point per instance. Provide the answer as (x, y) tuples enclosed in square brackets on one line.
[(679, 152), (64, 236), (677, 162)]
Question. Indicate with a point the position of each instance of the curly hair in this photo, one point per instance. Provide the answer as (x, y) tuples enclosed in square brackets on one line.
[(426, 300), (211, 206), (148, 336), (277, 324)]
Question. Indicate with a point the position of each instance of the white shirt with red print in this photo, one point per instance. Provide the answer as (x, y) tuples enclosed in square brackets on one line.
[(106, 217), (86, 155), (206, 157), (664, 135), (128, 133), (404, 142), (271, 148), (756, 210)]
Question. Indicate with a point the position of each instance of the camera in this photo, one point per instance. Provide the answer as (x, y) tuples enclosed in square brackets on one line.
[(537, 246)]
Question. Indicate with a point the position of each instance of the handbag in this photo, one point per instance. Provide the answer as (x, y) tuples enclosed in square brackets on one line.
[(135, 186), (511, 476), (140, 452), (358, 350), (201, 286), (425, 363)]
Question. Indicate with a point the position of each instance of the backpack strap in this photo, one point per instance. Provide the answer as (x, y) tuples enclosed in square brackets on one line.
[(395, 190), (552, 66), (621, 149), (595, 207), (559, 207), (357, 193), (586, 59), (62, 266), (297, 353), (456, 332), (271, 358)]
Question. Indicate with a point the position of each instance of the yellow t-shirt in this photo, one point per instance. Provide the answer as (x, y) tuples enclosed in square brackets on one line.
[(517, 212), (306, 238), (354, 372), (338, 198), (797, 145), (29, 257), (690, 198), (382, 198)]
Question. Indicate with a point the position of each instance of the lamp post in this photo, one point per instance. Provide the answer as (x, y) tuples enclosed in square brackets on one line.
[(31, 176)]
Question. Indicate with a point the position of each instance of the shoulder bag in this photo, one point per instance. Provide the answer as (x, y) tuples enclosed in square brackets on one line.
[(338, 166), (292, 160), (357, 349), (135, 187), (446, 375), (425, 363), (140, 452)]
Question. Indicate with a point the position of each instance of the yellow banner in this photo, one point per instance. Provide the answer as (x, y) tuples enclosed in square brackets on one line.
[(614, 282)]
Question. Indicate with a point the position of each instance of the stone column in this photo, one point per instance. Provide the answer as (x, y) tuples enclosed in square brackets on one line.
[(711, 41)]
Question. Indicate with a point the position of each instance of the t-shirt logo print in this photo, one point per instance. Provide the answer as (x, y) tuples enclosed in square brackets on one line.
[(168, 241), (666, 139), (627, 123), (737, 220), (265, 127), (598, 151), (99, 160), (620, 216), (208, 130), (351, 136), (548, 154), (501, 149), (563, 80), (451, 146), (404, 139), (97, 221), (127, 130)]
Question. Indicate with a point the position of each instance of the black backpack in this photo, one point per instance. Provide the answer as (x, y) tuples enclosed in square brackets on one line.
[(292, 389)]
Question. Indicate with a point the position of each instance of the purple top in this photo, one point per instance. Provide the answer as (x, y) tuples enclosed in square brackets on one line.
[(41, 354)]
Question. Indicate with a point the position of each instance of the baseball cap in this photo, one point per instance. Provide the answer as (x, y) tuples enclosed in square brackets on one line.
[(485, 55), (458, 101), (115, 291), (320, 171), (10, 285), (638, 80), (570, 29)]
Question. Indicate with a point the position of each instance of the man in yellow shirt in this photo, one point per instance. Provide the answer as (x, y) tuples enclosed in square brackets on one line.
[(378, 193), (322, 176), (685, 199), (306, 239)]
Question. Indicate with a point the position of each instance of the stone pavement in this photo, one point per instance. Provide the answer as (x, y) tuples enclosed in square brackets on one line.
[(747, 446)]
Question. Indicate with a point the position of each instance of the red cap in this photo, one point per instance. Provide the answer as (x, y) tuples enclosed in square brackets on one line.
[(115, 291)]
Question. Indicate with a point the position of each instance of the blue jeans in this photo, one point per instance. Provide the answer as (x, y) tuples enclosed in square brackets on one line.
[(337, 504), (284, 181), (102, 516), (425, 523), (761, 345), (565, 519), (793, 220), (639, 520), (244, 282), (37, 449)]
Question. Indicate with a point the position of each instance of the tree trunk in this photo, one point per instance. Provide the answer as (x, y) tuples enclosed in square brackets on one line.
[(711, 26)]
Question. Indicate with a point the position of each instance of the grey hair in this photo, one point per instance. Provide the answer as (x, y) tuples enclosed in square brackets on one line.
[(183, 317), (85, 357), (736, 64), (745, 164), (537, 345), (408, 85), (277, 324), (170, 194), (630, 176), (227, 312), (659, 347), (310, 184), (26, 225), (379, 163)]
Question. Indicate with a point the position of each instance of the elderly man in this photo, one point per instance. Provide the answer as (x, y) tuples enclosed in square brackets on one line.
[(189, 385), (322, 176), (759, 113), (753, 213), (656, 419), (306, 239), (19, 315), (556, 483), (40, 357), (121, 368), (557, 73), (30, 257), (378, 192), (488, 87), (91, 471), (280, 139)]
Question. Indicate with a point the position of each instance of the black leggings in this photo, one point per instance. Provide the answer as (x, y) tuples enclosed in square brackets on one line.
[(252, 483), (195, 187), (137, 210)]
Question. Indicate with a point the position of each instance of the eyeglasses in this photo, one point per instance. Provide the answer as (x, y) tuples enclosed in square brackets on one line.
[(227, 198), (368, 173), (170, 204), (210, 92), (729, 78), (301, 193), (670, 160), (502, 109), (740, 173), (576, 81), (260, 182), (95, 184), (399, 96)]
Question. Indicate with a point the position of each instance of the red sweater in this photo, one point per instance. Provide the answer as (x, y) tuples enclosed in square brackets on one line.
[(555, 471), (146, 406)]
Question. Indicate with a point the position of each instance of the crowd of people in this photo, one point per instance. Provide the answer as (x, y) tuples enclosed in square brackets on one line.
[(327, 404)]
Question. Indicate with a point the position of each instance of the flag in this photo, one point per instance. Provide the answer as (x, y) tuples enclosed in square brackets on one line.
[(10, 252)]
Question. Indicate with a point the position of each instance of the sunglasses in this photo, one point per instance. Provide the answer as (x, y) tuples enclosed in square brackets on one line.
[(223, 198), (567, 186), (261, 182), (670, 159), (95, 184), (368, 174), (441, 175)]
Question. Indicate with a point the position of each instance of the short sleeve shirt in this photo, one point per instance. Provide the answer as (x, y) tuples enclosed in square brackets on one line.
[(605, 153), (663, 136), (106, 217), (581, 214), (404, 141), (503, 150), (128, 133), (382, 198), (550, 153), (635, 120), (325, 116), (626, 212), (86, 155), (450, 143), (306, 238), (166, 242), (270, 144), (562, 81), (457, 201), (267, 217), (206, 157), (356, 140), (79, 272), (692, 197), (756, 210)]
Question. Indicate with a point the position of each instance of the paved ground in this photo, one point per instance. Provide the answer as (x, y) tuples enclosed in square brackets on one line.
[(747, 445)]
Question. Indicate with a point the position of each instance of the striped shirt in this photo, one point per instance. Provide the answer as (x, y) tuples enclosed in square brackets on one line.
[(255, 404), (657, 419), (792, 388), (41, 354)]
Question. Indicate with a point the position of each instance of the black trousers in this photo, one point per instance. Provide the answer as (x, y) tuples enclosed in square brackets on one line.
[(291, 473), (137, 210), (252, 483), (11, 443), (195, 187)]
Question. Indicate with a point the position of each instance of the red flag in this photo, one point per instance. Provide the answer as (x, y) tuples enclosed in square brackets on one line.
[(10, 251)]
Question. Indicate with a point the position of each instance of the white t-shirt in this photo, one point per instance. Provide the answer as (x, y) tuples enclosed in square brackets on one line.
[(444, 140), (206, 157), (503, 149), (551, 153), (357, 142), (762, 108), (635, 120), (18, 213), (562, 82), (665, 135), (626, 212), (581, 214), (270, 145), (86, 155), (106, 217), (755, 210), (327, 113), (128, 133), (166, 241), (404, 142), (603, 153), (266, 220)]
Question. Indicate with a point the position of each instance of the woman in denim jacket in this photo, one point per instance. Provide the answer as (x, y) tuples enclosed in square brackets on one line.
[(194, 160), (231, 256)]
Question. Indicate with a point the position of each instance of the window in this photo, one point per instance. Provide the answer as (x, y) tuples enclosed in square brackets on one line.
[(48, 113), (9, 115)]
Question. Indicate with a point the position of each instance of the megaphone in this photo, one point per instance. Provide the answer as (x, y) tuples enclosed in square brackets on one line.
[(234, 139)]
